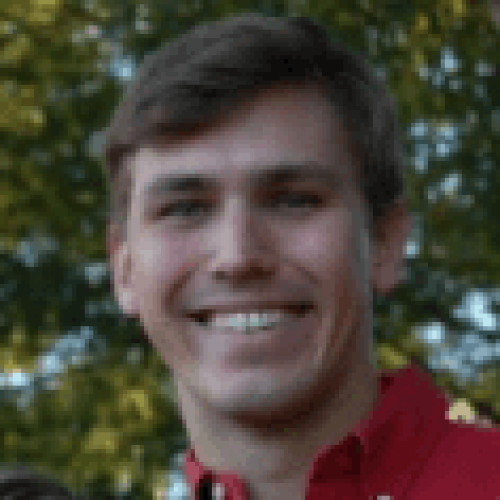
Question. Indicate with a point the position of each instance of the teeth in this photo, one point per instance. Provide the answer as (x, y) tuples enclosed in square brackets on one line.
[(250, 321)]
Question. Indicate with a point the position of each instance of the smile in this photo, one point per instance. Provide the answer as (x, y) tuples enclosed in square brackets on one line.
[(251, 322)]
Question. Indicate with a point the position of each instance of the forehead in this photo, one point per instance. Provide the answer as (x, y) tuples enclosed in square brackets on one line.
[(293, 125)]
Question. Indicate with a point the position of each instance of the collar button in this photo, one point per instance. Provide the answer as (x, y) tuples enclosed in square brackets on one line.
[(218, 491)]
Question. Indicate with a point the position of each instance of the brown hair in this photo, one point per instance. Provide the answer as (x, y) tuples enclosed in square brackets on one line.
[(191, 80)]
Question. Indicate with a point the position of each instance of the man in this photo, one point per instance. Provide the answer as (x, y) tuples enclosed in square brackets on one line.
[(257, 202)]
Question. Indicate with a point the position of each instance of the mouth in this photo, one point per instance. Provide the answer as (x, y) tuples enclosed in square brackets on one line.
[(204, 318), (254, 340)]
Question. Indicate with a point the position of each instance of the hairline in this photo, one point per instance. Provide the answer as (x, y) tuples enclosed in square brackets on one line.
[(160, 141)]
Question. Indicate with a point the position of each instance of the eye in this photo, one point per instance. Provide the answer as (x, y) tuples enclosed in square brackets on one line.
[(180, 209), (297, 200)]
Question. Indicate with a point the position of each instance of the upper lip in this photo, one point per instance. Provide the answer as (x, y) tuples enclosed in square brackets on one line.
[(247, 306)]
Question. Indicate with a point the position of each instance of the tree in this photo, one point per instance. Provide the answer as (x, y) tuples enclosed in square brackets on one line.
[(111, 416)]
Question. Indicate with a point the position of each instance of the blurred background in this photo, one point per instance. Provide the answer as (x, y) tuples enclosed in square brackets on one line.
[(83, 396)]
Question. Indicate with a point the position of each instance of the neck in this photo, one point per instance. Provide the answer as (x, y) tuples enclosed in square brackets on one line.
[(273, 460)]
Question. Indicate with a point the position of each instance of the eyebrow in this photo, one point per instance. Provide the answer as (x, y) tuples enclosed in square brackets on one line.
[(259, 177)]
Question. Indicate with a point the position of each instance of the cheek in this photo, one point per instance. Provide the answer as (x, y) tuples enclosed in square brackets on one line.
[(160, 262), (326, 249)]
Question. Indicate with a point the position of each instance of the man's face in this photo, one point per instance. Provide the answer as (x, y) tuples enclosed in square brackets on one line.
[(247, 238)]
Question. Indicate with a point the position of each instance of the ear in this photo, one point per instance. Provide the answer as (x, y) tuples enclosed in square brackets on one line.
[(495, 12), (121, 272), (389, 247)]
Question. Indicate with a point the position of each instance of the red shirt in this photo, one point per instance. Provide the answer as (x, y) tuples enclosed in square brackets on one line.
[(407, 450)]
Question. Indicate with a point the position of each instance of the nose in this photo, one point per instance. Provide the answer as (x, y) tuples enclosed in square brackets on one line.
[(241, 240)]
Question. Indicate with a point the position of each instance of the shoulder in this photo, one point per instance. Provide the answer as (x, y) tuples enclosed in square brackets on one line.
[(464, 463)]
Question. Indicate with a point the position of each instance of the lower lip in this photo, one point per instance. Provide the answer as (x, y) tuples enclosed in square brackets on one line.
[(286, 335)]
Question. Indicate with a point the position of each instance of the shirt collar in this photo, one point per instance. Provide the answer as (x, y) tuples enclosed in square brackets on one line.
[(408, 415)]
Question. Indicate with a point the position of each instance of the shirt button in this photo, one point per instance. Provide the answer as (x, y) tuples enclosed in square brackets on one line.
[(218, 491)]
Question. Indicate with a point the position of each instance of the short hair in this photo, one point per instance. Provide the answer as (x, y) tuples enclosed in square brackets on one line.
[(189, 82)]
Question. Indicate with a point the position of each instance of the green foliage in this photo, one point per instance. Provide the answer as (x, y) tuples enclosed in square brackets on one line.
[(113, 413)]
